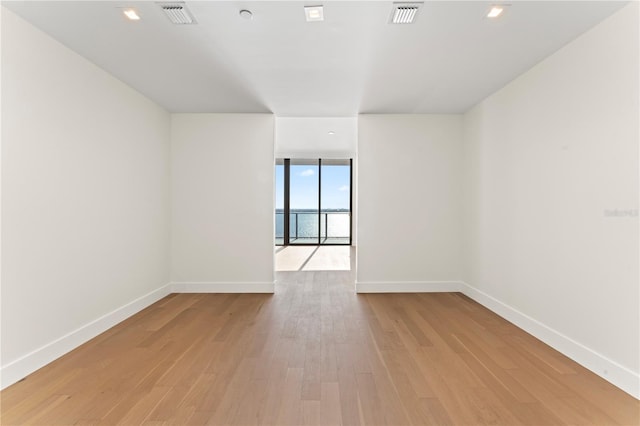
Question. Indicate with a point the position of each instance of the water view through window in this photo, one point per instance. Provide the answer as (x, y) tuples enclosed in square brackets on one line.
[(316, 194)]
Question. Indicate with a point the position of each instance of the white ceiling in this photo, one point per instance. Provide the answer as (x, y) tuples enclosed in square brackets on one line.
[(353, 62)]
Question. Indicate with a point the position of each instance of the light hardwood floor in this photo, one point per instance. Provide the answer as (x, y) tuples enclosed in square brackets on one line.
[(315, 353)]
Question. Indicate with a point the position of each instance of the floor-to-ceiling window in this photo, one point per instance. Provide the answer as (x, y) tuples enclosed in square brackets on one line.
[(313, 202), (304, 201), (335, 202)]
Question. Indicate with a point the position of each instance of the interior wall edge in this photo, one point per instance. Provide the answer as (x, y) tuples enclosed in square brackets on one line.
[(609, 370), (20, 368)]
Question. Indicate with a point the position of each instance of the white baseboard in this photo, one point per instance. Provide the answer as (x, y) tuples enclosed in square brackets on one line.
[(609, 370), (223, 287), (408, 286), (27, 364)]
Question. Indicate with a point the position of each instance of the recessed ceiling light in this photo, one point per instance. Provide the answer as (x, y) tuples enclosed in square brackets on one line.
[(495, 11), (314, 13), (331, 132), (246, 14), (131, 14)]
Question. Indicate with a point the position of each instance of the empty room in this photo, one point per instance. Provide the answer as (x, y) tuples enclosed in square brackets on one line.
[(320, 213)]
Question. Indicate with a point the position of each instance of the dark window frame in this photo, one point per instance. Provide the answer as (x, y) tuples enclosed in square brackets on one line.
[(287, 206)]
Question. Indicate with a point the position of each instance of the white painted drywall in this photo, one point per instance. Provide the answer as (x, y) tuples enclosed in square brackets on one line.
[(409, 199), (551, 198), (222, 200), (308, 137), (85, 194)]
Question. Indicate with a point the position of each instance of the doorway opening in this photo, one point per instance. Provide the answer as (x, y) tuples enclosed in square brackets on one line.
[(313, 215)]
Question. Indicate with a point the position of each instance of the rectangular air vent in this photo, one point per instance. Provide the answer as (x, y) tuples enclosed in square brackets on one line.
[(404, 13), (177, 13)]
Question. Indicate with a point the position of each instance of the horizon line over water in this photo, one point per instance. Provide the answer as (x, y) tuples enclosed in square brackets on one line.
[(315, 210), (306, 224)]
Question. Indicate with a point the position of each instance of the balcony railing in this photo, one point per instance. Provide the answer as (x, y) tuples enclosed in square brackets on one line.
[(303, 227)]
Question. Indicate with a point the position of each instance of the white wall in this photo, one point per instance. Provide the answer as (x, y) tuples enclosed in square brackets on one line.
[(85, 199), (222, 202), (308, 137), (409, 201), (549, 157)]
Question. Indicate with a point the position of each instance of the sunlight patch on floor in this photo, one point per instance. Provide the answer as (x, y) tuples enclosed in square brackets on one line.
[(313, 258)]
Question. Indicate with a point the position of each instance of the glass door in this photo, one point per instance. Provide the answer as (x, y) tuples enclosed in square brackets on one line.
[(335, 202), (304, 202), (313, 202)]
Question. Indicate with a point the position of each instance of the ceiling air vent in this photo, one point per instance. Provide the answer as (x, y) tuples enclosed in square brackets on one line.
[(177, 13), (404, 13)]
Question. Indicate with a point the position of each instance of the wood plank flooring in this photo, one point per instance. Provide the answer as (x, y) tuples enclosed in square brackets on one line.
[(315, 353)]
